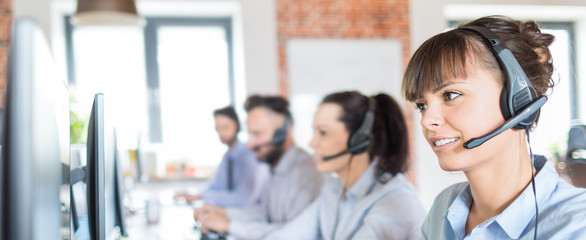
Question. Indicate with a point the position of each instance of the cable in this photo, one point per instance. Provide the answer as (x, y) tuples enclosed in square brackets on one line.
[(341, 197), (533, 184)]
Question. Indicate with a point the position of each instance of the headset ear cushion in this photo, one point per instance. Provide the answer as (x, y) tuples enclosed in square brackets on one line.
[(280, 135), (504, 103), (531, 119), (349, 144), (507, 113)]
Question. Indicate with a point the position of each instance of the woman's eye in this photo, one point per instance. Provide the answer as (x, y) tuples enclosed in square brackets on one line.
[(449, 96), (322, 133), (421, 106)]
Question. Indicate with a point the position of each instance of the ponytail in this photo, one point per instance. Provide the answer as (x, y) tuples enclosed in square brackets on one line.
[(390, 142)]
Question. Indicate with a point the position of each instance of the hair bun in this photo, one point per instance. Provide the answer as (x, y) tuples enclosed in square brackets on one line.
[(539, 43), (532, 34)]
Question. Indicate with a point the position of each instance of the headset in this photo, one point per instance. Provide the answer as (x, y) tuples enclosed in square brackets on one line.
[(280, 134), (279, 137), (518, 102), (359, 140)]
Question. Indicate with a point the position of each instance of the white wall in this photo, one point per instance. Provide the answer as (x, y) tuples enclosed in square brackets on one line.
[(318, 67), (428, 18)]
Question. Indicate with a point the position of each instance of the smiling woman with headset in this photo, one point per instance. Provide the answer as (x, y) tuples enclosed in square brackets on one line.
[(479, 88), (364, 140)]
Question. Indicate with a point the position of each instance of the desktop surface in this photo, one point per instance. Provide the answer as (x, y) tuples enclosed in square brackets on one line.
[(155, 215)]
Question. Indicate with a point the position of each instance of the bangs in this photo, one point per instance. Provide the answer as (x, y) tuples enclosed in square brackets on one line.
[(443, 57)]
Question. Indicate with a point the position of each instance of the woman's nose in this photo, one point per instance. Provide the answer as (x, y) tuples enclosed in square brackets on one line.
[(312, 142), (432, 117)]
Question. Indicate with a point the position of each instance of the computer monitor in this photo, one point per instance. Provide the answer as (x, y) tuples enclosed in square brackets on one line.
[(79, 213), (119, 190), (103, 176), (95, 177), (34, 189)]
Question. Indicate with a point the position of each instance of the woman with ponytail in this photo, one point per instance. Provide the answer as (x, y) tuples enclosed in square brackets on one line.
[(363, 140)]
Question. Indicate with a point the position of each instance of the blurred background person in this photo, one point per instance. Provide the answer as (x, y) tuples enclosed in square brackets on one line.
[(294, 182), (364, 140), (240, 178)]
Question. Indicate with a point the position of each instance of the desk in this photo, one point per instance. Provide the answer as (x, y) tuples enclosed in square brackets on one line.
[(175, 220)]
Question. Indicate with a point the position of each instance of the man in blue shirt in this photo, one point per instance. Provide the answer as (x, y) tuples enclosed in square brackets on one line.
[(240, 177), (294, 179)]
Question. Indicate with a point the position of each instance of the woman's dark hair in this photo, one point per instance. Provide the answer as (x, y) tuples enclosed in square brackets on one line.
[(455, 53), (389, 139), (229, 112), (276, 104)]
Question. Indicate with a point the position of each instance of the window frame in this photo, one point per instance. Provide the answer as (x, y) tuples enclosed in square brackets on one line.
[(152, 80)]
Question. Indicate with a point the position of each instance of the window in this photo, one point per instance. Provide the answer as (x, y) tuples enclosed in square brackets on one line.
[(166, 80), (561, 108), (109, 60)]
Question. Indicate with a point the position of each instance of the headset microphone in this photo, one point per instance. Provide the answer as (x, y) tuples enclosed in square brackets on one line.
[(527, 112), (361, 145), (259, 146)]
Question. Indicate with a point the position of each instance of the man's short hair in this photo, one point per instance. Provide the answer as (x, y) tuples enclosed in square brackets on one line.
[(276, 104), (229, 112)]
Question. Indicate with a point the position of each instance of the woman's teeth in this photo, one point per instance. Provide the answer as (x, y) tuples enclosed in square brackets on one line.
[(444, 141)]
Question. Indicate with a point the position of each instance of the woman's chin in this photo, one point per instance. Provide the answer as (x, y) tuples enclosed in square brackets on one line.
[(327, 166), (323, 166), (450, 164)]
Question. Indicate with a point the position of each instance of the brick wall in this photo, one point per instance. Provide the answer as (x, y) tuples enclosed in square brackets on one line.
[(343, 19), (5, 21)]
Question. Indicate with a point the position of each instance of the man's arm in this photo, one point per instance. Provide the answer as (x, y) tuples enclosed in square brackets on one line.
[(304, 226), (307, 189), (251, 230), (250, 213)]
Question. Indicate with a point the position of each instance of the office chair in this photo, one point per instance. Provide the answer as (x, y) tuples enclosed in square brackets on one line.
[(576, 155)]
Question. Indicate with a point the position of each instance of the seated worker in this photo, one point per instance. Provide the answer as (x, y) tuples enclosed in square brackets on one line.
[(479, 88), (365, 141), (294, 182), (238, 181)]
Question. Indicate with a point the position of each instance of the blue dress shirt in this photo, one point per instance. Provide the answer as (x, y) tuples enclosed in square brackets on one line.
[(248, 179), (561, 206), (371, 210)]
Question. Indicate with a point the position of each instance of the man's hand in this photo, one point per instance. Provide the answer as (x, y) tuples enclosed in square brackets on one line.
[(187, 197), (206, 209), (214, 221)]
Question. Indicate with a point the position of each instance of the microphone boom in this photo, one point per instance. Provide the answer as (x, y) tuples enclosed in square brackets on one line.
[(528, 111)]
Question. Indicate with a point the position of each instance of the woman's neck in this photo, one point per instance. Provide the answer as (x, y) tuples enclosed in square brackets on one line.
[(498, 182), (352, 172)]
